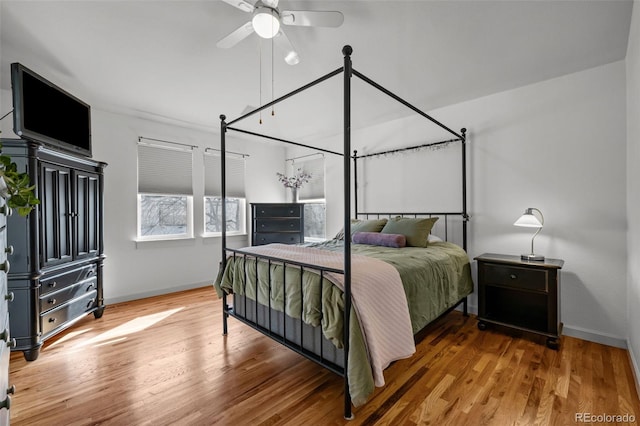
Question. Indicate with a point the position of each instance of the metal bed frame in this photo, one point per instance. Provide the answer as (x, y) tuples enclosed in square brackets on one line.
[(279, 328)]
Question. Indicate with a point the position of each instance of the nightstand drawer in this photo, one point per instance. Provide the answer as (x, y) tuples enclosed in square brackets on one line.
[(516, 277), (277, 210)]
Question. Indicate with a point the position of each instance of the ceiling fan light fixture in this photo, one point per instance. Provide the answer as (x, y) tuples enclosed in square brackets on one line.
[(292, 58), (266, 22)]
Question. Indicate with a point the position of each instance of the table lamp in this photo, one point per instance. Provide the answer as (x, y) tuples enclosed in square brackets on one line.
[(529, 220)]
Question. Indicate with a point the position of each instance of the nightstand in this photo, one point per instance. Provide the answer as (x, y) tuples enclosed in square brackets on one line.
[(520, 294)]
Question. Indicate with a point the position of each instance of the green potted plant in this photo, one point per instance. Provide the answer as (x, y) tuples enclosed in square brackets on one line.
[(15, 187)]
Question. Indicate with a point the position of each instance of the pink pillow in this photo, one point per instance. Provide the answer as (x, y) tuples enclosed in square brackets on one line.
[(378, 239)]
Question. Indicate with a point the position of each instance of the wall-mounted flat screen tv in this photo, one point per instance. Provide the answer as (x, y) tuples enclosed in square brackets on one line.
[(45, 113)]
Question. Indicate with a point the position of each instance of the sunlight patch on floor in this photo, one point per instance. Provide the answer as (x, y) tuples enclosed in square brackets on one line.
[(70, 335), (136, 325)]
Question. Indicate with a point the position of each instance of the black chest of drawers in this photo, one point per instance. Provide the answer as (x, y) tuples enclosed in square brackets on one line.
[(277, 223)]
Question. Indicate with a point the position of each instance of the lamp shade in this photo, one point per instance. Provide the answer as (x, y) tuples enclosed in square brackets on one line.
[(528, 219), (266, 22)]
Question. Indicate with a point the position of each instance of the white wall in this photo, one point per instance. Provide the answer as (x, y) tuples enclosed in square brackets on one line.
[(558, 145), (633, 189)]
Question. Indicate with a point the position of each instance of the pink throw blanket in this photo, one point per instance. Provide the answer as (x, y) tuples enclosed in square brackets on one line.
[(377, 295)]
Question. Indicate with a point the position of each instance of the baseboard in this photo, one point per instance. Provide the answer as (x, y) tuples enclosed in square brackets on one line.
[(594, 336), (158, 292), (635, 367), (580, 333)]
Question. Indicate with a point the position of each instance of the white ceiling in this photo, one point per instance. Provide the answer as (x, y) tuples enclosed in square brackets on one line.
[(159, 58)]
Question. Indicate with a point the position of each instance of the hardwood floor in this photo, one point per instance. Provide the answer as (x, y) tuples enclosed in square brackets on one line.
[(164, 361)]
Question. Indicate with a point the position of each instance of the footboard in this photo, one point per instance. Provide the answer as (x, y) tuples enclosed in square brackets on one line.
[(274, 321)]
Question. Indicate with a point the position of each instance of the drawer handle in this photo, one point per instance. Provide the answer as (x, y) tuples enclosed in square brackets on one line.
[(5, 266), (52, 301), (90, 303), (10, 296), (513, 276), (91, 272), (291, 225), (12, 343), (290, 211), (6, 210), (9, 250), (4, 335), (90, 287), (11, 390), (6, 403), (52, 284), (52, 320)]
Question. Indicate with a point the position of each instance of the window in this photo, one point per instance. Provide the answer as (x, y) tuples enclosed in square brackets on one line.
[(165, 192), (312, 194), (236, 203)]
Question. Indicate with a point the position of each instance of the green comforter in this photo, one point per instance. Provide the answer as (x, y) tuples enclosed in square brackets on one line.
[(434, 279)]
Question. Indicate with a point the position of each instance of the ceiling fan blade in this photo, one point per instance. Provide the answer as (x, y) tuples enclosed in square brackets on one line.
[(240, 4), (270, 3), (312, 18), (290, 55), (236, 37)]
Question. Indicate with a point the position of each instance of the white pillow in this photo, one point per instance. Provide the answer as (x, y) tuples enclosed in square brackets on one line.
[(433, 239)]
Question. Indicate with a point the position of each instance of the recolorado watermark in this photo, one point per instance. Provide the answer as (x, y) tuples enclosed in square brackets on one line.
[(604, 418)]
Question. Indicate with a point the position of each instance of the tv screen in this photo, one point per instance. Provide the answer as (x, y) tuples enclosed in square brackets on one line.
[(45, 113)]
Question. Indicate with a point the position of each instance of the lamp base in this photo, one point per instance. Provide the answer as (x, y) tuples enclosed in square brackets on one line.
[(532, 257)]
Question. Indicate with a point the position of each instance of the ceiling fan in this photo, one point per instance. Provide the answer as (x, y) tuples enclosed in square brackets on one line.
[(266, 22)]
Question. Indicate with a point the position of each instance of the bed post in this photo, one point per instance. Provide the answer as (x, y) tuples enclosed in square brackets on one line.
[(347, 51), (223, 261), (465, 216), (355, 183)]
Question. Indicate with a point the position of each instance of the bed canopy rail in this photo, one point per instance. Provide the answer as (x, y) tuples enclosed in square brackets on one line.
[(461, 138), (348, 72)]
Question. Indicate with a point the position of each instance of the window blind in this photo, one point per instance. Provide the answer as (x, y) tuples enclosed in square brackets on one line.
[(213, 178), (314, 189), (164, 170)]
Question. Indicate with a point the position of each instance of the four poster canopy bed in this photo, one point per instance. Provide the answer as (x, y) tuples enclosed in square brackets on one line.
[(353, 303)]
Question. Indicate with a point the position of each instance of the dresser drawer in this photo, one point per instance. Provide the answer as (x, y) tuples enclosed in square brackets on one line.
[(277, 225), (514, 276), (277, 237), (276, 210), (67, 312), (56, 282), (57, 298)]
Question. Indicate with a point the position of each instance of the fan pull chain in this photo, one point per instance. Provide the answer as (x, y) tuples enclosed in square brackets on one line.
[(273, 111), (260, 76)]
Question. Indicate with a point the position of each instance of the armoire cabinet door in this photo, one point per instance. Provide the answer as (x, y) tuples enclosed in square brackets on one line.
[(55, 202), (87, 214)]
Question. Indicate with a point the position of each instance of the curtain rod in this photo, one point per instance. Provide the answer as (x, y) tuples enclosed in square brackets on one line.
[(140, 138), (305, 156), (228, 152)]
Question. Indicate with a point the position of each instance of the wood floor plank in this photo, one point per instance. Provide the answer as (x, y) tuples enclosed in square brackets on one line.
[(164, 361)]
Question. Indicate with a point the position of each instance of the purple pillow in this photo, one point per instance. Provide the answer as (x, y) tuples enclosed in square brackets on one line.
[(378, 239)]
